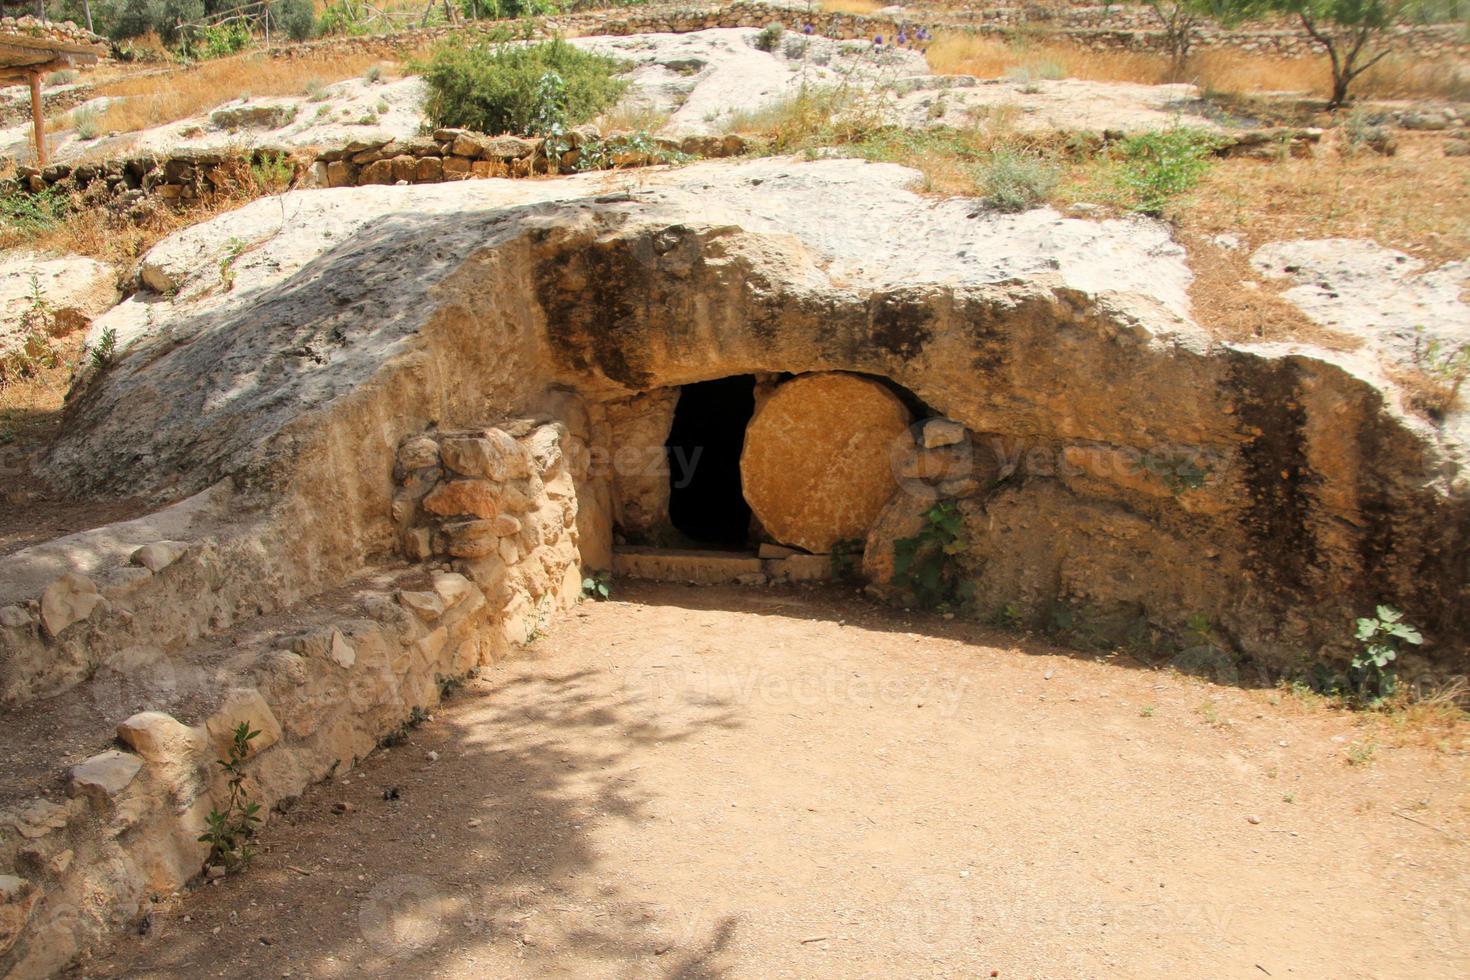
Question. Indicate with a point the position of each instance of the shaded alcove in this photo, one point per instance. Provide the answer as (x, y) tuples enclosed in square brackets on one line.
[(703, 450)]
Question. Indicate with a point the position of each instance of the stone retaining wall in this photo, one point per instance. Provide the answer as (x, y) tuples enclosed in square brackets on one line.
[(323, 685)]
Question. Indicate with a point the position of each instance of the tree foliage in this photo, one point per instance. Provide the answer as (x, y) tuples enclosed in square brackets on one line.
[(1352, 32)]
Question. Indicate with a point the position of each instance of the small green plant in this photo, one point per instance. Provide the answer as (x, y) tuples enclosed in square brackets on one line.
[(316, 91), (448, 685), (597, 586), (1210, 712), (1158, 167), (504, 88), (769, 39), (1444, 368), (1362, 753), (1383, 637), (373, 75), (1179, 471), (382, 107), (233, 248), (64, 77), (640, 146), (28, 214), (1015, 180), (228, 831), (847, 559), (272, 172), (1288, 797), (105, 352), (926, 564), (1147, 711)]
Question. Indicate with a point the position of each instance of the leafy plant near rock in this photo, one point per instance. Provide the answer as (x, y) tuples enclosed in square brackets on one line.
[(638, 148), (1017, 180), (228, 831), (927, 564), (1158, 167), (597, 586), (503, 88), (1384, 636)]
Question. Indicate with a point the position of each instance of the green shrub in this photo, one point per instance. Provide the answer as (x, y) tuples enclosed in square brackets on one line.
[(1159, 166), (503, 88), (295, 17), (1014, 180), (769, 38), (217, 41), (30, 214), (506, 9)]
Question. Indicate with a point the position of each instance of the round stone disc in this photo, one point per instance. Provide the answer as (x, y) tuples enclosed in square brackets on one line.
[(816, 467)]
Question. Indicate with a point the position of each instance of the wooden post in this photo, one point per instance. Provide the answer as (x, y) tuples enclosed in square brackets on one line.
[(38, 119)]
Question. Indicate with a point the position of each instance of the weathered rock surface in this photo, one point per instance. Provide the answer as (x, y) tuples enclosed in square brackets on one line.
[(51, 296), (1115, 463), (816, 465)]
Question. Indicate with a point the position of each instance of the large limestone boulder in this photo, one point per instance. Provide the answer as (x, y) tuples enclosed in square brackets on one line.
[(816, 466)]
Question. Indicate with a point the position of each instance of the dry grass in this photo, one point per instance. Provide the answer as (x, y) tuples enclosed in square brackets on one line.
[(120, 239), (1417, 200), (30, 408), (851, 6), (153, 100), (1212, 70)]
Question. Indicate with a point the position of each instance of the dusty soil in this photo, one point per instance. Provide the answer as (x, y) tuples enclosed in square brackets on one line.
[(693, 782)]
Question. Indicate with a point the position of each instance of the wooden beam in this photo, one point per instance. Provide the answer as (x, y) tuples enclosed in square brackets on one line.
[(38, 119)]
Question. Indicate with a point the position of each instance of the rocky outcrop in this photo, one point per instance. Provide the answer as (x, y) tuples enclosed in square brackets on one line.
[(402, 424)]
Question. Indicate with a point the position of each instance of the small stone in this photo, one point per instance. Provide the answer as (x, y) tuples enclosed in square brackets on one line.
[(433, 756), (493, 455), (159, 555), (159, 737), (1253, 819), (215, 871), (942, 432), (464, 498), (14, 617), (428, 606), (452, 588), (768, 550), (507, 525), (474, 822), (342, 653), (418, 452), (105, 775)]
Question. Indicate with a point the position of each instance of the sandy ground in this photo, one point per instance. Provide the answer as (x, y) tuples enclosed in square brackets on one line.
[(700, 782)]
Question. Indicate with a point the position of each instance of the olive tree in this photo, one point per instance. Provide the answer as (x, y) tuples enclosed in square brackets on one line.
[(1352, 32)]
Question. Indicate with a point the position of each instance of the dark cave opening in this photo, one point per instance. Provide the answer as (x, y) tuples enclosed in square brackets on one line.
[(706, 501)]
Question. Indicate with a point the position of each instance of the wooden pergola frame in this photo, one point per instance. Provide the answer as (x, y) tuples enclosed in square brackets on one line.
[(25, 57)]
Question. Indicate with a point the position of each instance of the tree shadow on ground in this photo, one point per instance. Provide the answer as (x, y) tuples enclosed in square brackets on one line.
[(468, 849)]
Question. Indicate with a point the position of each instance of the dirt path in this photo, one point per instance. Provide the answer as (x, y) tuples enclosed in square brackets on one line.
[(699, 782)]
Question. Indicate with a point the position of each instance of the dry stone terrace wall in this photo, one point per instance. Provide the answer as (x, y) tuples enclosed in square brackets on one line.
[(321, 685)]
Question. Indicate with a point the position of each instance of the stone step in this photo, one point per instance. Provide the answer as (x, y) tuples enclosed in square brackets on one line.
[(699, 567)]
